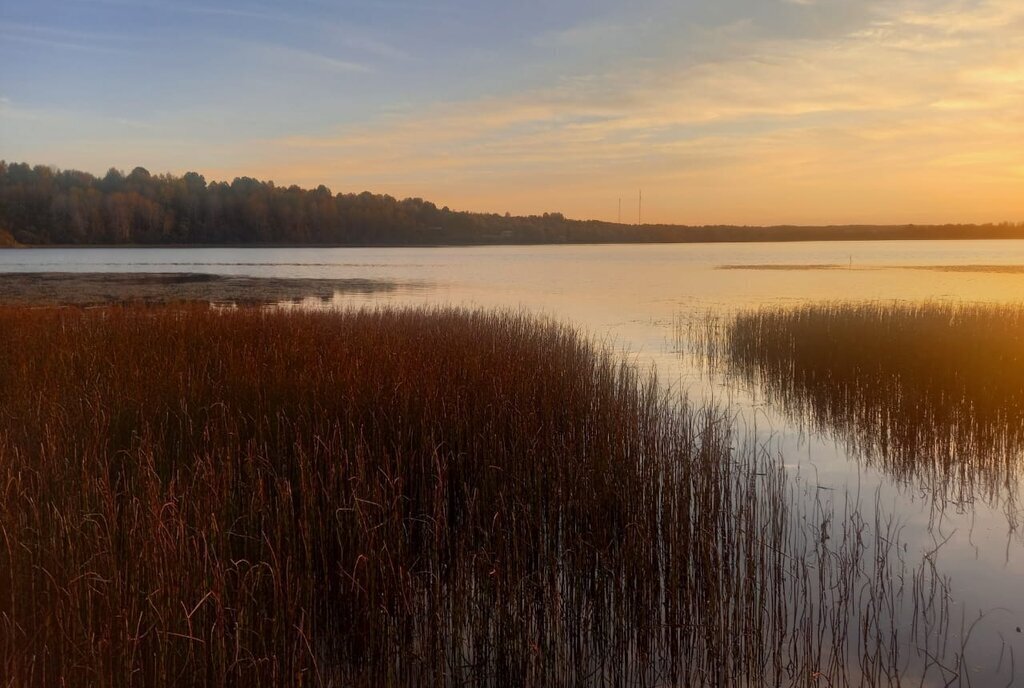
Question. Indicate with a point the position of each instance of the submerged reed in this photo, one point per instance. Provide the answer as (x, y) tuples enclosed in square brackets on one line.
[(201, 497)]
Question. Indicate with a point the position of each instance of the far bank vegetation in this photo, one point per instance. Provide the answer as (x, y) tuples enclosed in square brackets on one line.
[(41, 205)]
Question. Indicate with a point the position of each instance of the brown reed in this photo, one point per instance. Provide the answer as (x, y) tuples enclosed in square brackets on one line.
[(932, 392), (191, 496)]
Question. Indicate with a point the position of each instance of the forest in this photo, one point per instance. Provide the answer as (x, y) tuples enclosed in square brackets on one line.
[(42, 205)]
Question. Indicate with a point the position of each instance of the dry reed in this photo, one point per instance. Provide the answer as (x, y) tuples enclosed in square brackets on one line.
[(195, 497), (932, 392)]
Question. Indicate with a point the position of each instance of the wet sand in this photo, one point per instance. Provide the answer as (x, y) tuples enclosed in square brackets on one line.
[(90, 289)]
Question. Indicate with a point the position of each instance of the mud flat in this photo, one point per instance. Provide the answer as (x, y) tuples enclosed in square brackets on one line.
[(91, 289)]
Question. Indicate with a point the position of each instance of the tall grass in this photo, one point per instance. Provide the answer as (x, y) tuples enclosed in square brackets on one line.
[(201, 497), (934, 393)]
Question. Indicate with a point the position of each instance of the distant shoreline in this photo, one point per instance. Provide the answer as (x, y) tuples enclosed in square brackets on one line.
[(779, 240)]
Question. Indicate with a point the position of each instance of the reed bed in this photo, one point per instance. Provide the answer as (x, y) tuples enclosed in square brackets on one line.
[(409, 497), (933, 393)]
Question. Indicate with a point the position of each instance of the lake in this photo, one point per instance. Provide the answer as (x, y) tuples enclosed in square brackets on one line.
[(641, 299)]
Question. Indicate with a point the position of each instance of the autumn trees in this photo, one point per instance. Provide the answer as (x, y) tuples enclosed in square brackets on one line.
[(41, 205)]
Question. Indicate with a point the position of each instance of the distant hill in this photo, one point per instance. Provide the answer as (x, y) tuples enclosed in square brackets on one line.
[(41, 205)]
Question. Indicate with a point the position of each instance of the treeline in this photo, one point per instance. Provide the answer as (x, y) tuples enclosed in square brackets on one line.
[(40, 205)]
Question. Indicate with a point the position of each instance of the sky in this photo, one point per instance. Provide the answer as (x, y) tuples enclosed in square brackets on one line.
[(721, 111)]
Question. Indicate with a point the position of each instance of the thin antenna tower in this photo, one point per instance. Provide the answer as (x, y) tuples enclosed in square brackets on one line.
[(640, 209)]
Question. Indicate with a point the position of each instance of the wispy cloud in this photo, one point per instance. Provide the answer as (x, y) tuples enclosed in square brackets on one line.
[(355, 37), (188, 8), (66, 39), (364, 44), (59, 44), (301, 60), (921, 104)]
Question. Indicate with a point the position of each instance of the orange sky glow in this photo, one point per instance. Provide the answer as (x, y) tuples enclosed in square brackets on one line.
[(905, 111)]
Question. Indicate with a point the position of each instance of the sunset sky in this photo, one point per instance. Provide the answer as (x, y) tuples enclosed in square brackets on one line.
[(722, 111)]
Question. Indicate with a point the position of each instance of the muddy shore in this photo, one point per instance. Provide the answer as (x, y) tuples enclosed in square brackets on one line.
[(91, 289)]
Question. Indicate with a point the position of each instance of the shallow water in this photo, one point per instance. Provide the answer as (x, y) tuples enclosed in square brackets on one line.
[(636, 296)]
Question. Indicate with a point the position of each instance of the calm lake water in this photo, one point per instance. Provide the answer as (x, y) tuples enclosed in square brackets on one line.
[(636, 297)]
